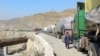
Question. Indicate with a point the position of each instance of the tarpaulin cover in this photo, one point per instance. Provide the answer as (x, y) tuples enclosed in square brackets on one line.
[(94, 15), (65, 22), (91, 4)]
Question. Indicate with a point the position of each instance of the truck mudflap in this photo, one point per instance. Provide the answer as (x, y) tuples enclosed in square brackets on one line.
[(93, 50)]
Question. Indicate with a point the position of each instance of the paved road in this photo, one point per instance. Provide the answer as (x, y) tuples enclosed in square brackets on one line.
[(59, 47)]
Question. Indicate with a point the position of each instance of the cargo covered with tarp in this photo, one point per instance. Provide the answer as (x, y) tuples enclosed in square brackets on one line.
[(64, 23), (91, 4), (94, 15), (92, 9)]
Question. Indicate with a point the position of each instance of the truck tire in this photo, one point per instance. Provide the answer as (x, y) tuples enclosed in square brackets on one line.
[(74, 43), (92, 51), (99, 52), (60, 36), (57, 35), (78, 46)]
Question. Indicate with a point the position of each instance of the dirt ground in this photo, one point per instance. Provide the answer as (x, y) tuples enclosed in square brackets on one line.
[(59, 47)]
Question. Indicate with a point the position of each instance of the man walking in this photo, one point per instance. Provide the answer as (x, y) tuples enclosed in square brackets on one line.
[(67, 39)]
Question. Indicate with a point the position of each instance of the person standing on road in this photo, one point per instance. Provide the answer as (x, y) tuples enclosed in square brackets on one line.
[(67, 39)]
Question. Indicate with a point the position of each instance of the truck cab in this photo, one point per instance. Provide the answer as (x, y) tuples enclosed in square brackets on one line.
[(79, 24)]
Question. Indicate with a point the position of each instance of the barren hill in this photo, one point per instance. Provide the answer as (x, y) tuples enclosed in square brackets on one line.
[(40, 19)]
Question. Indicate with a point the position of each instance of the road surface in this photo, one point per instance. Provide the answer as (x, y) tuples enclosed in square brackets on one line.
[(59, 47)]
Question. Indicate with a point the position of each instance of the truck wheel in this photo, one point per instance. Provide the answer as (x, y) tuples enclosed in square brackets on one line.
[(92, 51), (59, 36), (78, 46), (99, 52), (74, 43)]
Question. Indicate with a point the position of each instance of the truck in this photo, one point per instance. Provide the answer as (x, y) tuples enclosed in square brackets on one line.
[(63, 25), (78, 28), (86, 27), (50, 29)]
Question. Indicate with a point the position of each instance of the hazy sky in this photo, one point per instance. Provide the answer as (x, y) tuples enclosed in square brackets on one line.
[(19, 8)]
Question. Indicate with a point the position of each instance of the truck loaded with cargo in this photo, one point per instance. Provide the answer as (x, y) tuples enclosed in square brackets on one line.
[(63, 25), (86, 27), (50, 29)]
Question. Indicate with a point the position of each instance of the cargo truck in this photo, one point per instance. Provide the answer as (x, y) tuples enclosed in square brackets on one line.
[(78, 24), (63, 25), (86, 27)]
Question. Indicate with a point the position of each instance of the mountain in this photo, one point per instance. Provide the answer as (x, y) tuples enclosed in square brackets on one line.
[(37, 20)]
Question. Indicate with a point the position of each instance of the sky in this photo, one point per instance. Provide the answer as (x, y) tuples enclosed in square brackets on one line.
[(19, 8)]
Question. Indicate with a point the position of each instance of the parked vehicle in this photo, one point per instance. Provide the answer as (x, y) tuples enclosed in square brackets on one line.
[(50, 29), (79, 25), (86, 27), (63, 25)]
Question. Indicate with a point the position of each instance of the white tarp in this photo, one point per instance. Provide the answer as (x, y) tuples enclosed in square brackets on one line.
[(94, 15), (66, 22)]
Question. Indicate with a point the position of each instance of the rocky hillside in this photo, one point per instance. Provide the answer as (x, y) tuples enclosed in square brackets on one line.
[(38, 20)]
